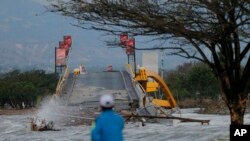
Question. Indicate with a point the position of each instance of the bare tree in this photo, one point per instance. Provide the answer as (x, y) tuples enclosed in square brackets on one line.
[(215, 32)]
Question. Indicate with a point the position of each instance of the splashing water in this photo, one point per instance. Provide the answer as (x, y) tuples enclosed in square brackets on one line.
[(49, 110)]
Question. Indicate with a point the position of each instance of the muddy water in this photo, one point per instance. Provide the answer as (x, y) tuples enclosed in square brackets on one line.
[(16, 128)]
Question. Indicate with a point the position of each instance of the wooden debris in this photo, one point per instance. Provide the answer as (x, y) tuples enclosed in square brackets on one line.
[(49, 126), (203, 122)]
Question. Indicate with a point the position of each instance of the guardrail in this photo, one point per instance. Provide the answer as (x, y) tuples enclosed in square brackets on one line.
[(126, 87), (61, 81), (141, 93), (130, 70)]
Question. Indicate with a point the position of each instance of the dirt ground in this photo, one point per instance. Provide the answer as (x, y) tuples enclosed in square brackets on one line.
[(18, 111)]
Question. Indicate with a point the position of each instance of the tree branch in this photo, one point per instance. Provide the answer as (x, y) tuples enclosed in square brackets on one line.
[(245, 51)]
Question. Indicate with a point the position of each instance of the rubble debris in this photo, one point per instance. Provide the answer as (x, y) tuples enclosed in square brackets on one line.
[(49, 126), (203, 122)]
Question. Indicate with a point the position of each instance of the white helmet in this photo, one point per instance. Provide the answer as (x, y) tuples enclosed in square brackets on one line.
[(107, 101)]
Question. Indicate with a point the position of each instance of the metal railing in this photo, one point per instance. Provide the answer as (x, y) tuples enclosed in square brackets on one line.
[(61, 81)]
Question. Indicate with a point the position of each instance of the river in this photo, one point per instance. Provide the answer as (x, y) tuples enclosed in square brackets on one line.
[(16, 128)]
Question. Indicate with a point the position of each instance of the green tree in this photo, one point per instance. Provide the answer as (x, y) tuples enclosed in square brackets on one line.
[(179, 84), (196, 78), (18, 88), (3, 93), (201, 80)]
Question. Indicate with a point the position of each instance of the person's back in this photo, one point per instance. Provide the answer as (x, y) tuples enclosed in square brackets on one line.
[(108, 125)]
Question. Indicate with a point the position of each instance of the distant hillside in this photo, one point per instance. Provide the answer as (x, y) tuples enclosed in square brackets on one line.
[(26, 57)]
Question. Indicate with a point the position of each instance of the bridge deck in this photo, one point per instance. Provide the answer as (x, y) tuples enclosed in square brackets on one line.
[(87, 89)]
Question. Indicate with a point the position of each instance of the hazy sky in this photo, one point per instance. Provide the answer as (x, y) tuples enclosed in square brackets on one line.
[(27, 32)]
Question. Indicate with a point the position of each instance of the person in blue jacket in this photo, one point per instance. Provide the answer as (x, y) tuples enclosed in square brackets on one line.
[(108, 125)]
